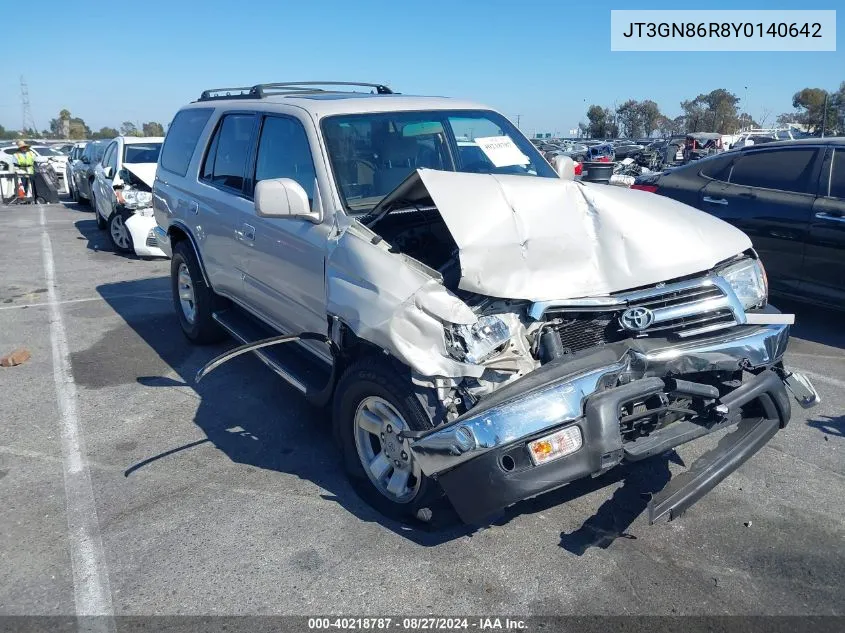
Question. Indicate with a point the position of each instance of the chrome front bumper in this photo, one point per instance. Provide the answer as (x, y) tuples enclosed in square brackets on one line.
[(557, 395)]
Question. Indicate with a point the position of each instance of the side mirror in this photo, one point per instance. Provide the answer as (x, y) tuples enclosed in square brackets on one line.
[(283, 198), (564, 166), (85, 160), (108, 172)]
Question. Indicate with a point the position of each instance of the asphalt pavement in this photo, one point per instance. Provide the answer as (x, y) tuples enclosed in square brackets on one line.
[(125, 486)]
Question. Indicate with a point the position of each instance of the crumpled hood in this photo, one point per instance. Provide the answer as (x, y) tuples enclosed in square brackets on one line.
[(542, 238), (145, 171)]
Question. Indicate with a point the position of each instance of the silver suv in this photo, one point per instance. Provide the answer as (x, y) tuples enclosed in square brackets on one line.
[(481, 324)]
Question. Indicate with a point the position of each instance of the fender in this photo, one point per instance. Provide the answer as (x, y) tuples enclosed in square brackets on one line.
[(184, 228)]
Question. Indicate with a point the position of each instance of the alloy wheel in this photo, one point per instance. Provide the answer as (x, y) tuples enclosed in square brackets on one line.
[(385, 456), (187, 299)]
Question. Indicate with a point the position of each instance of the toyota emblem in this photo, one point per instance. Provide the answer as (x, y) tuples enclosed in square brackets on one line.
[(637, 319)]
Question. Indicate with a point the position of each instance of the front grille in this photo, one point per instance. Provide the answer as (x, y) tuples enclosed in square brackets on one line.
[(151, 239), (680, 309)]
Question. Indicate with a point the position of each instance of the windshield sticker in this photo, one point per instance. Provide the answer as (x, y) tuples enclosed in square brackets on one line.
[(502, 151)]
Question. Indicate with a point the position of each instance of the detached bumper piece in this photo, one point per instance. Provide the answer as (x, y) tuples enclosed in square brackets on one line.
[(733, 449)]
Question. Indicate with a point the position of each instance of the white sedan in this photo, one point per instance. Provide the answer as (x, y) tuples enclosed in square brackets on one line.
[(122, 194)]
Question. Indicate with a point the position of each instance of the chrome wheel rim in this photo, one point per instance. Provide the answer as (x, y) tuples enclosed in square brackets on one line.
[(186, 293), (119, 232), (386, 458)]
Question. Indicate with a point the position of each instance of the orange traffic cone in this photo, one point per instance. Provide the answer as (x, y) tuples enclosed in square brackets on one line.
[(21, 191)]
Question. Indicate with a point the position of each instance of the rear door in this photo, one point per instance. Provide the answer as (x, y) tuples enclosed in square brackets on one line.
[(768, 195), (684, 184), (824, 262), (222, 204)]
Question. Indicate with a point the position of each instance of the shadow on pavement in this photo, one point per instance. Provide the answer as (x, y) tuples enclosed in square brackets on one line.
[(256, 419), (98, 240), (829, 425)]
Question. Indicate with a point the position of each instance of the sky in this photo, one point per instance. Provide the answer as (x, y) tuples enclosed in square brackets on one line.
[(542, 61)]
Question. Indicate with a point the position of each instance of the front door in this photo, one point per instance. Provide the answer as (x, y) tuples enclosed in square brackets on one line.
[(285, 276), (768, 196)]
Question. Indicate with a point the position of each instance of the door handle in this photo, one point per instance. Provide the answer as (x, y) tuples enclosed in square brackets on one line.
[(249, 232), (715, 200), (824, 215), (194, 207)]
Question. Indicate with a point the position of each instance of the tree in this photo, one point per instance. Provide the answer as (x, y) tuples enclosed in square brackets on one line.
[(746, 121), (628, 115), (597, 117), (612, 130), (153, 128), (649, 115), (583, 129), (77, 129), (838, 101), (694, 114), (127, 128), (105, 133), (810, 103)]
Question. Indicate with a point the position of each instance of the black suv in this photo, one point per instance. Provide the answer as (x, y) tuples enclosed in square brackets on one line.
[(788, 196)]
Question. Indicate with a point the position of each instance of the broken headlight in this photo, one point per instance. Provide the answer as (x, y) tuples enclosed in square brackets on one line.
[(477, 342), (133, 199), (748, 281)]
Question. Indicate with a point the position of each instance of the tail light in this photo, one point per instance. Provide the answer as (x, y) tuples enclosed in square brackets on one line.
[(649, 188), (579, 168)]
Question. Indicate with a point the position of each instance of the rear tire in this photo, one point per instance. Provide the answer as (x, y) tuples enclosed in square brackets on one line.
[(373, 398), (194, 301)]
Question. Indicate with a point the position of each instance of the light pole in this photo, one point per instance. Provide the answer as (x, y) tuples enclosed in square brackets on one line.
[(746, 106)]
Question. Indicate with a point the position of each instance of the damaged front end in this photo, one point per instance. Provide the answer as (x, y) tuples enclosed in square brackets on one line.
[(546, 368)]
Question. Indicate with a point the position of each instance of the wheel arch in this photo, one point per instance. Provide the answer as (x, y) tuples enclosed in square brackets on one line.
[(178, 232)]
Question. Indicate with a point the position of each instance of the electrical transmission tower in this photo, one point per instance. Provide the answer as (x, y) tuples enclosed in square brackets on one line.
[(27, 122)]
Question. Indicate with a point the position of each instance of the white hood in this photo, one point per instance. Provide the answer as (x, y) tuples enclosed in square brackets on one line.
[(145, 171), (542, 238)]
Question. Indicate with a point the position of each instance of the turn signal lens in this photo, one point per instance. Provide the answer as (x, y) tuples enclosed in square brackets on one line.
[(559, 444)]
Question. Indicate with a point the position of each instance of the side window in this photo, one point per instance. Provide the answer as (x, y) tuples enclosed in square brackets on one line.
[(108, 154), (718, 168), (783, 169), (112, 161), (837, 175), (283, 152), (181, 139), (225, 163)]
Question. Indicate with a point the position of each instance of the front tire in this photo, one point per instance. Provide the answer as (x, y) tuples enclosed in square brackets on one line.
[(373, 402), (119, 234), (194, 301)]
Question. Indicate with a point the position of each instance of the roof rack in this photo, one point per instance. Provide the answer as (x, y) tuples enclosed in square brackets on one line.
[(259, 91)]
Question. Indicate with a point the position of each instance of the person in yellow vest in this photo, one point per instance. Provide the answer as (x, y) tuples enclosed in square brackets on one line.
[(24, 158), (25, 163)]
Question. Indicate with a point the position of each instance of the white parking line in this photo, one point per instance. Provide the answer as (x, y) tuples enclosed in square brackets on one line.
[(92, 593), (145, 295)]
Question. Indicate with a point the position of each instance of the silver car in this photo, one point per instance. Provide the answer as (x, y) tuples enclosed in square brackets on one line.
[(482, 325)]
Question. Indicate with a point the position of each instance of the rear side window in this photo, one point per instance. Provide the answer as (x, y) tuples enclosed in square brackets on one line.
[(837, 175), (785, 169), (182, 138), (283, 152), (717, 168), (225, 163)]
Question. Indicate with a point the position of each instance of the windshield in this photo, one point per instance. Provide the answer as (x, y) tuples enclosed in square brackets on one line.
[(372, 153), (46, 151), (141, 152)]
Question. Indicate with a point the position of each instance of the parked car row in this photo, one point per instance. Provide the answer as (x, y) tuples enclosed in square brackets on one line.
[(115, 178)]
